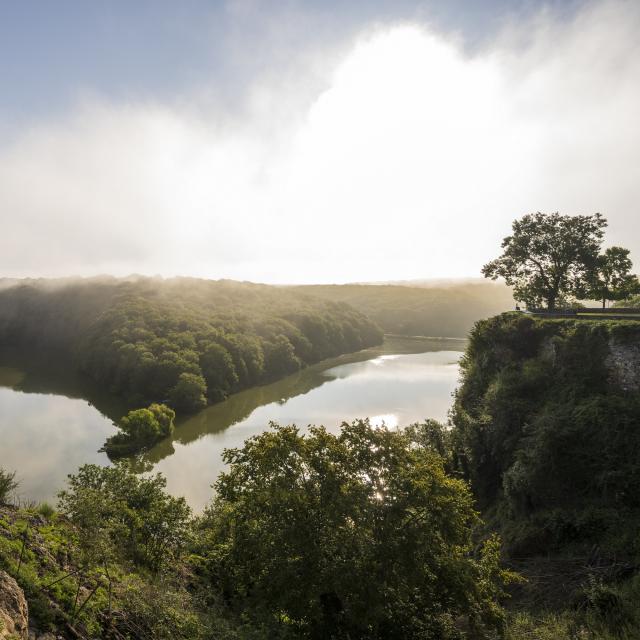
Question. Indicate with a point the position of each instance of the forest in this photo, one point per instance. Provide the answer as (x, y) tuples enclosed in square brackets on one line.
[(183, 342), (421, 308)]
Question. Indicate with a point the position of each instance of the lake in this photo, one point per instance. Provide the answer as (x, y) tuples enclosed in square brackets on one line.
[(47, 431)]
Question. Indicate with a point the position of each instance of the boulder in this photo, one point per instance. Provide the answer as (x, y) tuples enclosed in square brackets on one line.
[(14, 615)]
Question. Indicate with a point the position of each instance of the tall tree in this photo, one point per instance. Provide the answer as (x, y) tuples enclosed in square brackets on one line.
[(613, 279), (549, 256)]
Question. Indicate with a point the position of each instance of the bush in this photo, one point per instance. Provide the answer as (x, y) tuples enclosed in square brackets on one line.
[(127, 517), (45, 510), (8, 485)]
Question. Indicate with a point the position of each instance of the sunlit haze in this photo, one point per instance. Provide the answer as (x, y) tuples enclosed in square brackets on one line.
[(398, 145)]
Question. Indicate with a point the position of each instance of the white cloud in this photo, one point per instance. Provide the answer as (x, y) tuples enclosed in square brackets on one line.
[(411, 162)]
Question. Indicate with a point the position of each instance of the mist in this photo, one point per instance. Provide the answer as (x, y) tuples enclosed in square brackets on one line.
[(404, 154)]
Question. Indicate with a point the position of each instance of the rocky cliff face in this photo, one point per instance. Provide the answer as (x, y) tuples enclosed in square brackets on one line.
[(14, 615), (623, 363)]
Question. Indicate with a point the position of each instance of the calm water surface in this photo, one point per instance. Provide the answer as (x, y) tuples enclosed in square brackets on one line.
[(46, 434)]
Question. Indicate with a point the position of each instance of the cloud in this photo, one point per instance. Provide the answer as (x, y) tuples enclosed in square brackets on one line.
[(406, 157)]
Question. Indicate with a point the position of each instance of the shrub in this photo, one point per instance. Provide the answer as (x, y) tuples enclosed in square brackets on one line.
[(8, 485), (45, 509), (123, 516)]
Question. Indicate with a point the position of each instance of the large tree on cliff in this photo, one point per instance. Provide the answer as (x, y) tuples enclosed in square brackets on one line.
[(549, 257)]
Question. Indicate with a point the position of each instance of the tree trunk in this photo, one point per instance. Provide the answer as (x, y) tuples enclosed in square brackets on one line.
[(551, 303)]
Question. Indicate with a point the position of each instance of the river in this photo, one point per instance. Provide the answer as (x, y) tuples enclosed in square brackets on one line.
[(48, 430)]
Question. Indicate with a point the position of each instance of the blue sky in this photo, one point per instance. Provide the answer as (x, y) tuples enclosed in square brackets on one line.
[(309, 141), (54, 53)]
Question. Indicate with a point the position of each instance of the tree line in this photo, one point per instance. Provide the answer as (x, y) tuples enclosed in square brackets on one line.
[(181, 342)]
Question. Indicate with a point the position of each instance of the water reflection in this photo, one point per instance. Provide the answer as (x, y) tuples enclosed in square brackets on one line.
[(48, 431), (399, 391), (45, 437)]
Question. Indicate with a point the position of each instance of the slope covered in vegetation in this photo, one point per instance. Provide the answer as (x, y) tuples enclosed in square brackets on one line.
[(547, 431), (361, 536), (428, 310), (179, 341)]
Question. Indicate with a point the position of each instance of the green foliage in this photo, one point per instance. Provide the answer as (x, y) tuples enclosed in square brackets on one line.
[(613, 279), (180, 341), (140, 429), (45, 510), (218, 371), (546, 434), (159, 608), (633, 302), (429, 310), (600, 612), (356, 535), (120, 515), (189, 394), (68, 583), (8, 485), (549, 257)]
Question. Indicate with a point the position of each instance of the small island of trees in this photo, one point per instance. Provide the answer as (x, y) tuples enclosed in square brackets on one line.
[(140, 429)]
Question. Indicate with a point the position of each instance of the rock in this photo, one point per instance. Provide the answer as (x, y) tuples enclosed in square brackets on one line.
[(14, 615), (623, 363)]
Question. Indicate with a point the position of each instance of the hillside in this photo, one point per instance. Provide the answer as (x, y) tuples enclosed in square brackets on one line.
[(182, 341), (546, 429), (421, 309)]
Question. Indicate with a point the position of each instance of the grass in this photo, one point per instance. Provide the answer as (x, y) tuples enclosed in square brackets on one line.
[(38, 551)]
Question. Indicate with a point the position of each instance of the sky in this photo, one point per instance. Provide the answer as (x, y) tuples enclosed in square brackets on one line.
[(309, 141)]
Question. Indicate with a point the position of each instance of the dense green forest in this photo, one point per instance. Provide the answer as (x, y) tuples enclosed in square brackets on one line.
[(183, 342), (546, 428), (446, 310)]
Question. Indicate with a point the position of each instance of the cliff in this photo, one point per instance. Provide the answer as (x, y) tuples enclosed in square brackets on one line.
[(547, 429)]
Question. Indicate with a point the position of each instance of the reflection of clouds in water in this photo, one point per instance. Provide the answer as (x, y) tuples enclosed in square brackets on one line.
[(380, 360), (395, 391), (434, 365), (46, 437)]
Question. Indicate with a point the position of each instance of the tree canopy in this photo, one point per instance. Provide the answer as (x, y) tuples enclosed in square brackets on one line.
[(140, 429), (549, 257), (182, 342), (121, 515), (613, 279), (356, 535)]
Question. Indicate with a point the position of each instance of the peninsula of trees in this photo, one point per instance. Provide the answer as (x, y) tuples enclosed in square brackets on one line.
[(181, 342)]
